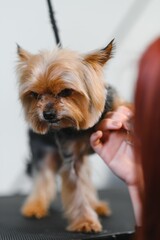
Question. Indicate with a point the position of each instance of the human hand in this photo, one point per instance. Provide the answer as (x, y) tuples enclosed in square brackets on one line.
[(112, 143)]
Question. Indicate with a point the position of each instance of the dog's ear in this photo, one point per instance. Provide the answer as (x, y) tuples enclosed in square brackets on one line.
[(100, 57), (23, 54)]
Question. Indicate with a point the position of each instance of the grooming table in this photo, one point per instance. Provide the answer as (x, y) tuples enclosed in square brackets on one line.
[(13, 226)]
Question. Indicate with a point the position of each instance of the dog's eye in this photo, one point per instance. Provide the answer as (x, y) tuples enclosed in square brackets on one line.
[(65, 92), (35, 95)]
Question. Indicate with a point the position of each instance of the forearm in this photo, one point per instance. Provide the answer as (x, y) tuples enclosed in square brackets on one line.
[(136, 202)]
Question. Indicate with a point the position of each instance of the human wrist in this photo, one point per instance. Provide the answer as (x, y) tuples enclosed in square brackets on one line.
[(136, 203)]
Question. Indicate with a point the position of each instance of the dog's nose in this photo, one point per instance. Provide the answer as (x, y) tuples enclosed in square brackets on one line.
[(49, 115)]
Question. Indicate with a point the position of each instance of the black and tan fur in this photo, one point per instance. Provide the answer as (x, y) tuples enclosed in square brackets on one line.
[(64, 96)]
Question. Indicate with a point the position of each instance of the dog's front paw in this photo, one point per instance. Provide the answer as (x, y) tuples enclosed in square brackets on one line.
[(34, 208), (85, 225), (102, 209)]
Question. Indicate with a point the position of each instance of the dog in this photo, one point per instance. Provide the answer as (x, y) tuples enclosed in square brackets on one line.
[(64, 96)]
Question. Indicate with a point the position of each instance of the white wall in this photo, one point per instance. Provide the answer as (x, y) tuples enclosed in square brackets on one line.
[(84, 26)]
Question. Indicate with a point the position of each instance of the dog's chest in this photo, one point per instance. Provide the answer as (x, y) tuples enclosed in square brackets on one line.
[(74, 144)]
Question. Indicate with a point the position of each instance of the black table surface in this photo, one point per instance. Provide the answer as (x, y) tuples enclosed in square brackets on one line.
[(13, 225)]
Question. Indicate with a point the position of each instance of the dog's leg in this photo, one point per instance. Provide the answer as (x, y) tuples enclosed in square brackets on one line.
[(101, 207), (75, 197), (44, 191)]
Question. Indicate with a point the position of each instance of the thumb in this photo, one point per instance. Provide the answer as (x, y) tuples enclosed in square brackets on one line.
[(95, 141)]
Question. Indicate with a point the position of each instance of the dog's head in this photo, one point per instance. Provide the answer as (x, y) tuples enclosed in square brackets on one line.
[(62, 88)]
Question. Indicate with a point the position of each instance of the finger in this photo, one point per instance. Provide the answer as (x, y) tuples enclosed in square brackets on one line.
[(128, 125), (125, 117), (96, 143), (109, 114), (95, 138), (118, 116), (125, 110), (109, 124), (122, 110), (111, 146)]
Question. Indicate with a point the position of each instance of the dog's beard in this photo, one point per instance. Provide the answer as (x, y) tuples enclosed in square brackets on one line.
[(40, 125), (36, 123), (71, 112)]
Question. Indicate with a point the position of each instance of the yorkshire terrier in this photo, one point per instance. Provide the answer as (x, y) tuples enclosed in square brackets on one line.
[(64, 96)]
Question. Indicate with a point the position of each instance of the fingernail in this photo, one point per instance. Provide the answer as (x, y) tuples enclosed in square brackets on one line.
[(116, 124), (129, 114)]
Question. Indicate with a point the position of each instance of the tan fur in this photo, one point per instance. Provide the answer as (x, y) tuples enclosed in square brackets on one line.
[(44, 191), (79, 200), (77, 191), (47, 73), (44, 78)]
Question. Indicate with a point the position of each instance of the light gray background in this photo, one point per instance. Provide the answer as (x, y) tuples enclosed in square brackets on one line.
[(84, 25)]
